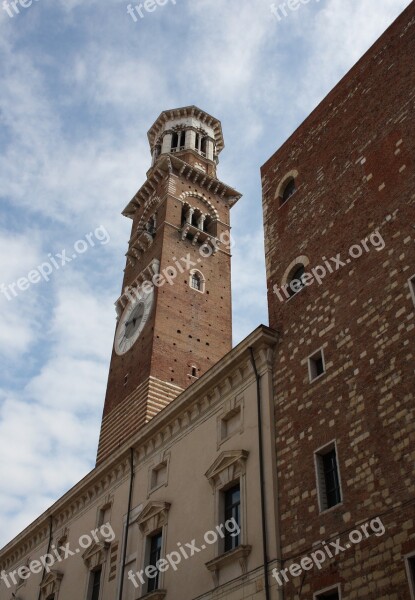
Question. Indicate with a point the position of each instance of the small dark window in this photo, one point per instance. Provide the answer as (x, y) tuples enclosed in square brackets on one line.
[(331, 478), (151, 226), (194, 372), (203, 146), (330, 595), (175, 141), (197, 141), (412, 287), (316, 365), (411, 573), (196, 282), (154, 557), (289, 190), (232, 511), (96, 584), (182, 139), (296, 283)]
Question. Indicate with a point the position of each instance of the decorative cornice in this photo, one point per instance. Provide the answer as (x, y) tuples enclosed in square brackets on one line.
[(153, 517), (239, 554), (227, 467), (172, 165), (213, 387)]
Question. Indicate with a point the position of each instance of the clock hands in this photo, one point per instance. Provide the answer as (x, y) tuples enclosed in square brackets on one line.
[(139, 313)]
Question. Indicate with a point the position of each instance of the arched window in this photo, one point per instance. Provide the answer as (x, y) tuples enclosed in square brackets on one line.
[(295, 281), (174, 141), (197, 281), (203, 146), (151, 225), (178, 140), (289, 190)]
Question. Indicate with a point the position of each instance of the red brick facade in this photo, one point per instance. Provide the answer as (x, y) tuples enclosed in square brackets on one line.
[(188, 331), (353, 165)]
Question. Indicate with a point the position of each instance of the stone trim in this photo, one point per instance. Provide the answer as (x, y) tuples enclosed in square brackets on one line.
[(156, 595), (228, 467), (239, 554), (51, 584), (233, 372), (153, 516)]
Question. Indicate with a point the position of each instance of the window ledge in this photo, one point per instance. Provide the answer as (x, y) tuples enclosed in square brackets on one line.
[(324, 511), (318, 377), (156, 595), (240, 554)]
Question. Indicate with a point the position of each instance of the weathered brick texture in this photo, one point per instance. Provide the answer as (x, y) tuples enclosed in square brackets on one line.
[(355, 160), (187, 329)]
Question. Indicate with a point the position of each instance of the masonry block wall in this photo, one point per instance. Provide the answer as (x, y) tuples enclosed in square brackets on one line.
[(353, 165), (180, 224)]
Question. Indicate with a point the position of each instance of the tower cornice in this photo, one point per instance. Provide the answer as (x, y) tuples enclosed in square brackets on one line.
[(184, 112), (174, 165)]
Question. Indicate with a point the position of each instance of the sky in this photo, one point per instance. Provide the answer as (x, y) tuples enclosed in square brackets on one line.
[(81, 84)]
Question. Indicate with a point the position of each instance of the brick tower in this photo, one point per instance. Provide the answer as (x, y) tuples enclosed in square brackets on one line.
[(174, 314), (339, 218)]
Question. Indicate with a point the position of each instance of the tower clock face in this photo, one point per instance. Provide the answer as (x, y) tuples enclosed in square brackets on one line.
[(132, 322)]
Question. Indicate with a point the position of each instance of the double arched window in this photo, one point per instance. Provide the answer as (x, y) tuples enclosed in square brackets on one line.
[(197, 281)]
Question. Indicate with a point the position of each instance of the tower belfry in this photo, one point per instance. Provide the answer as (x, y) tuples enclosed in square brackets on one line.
[(174, 317)]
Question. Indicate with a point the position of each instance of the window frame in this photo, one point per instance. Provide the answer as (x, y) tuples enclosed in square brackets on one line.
[(312, 378), (410, 558), (152, 520), (229, 470), (225, 508), (290, 183), (284, 182), (202, 280), (411, 284), (337, 587), (150, 581), (291, 277), (320, 476), (91, 586)]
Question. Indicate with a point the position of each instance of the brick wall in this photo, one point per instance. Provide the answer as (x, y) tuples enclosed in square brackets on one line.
[(355, 161)]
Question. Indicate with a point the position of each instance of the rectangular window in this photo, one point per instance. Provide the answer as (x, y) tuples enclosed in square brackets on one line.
[(411, 283), (316, 366), (410, 567), (329, 595), (232, 499), (154, 556), (328, 478), (95, 584), (174, 141), (158, 476)]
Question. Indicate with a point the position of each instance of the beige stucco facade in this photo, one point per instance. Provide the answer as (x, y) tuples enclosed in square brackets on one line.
[(184, 459)]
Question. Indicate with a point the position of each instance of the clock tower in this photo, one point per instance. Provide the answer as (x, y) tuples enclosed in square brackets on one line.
[(174, 317)]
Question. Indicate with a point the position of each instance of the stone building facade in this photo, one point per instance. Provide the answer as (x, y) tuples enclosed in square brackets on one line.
[(339, 215), (183, 461)]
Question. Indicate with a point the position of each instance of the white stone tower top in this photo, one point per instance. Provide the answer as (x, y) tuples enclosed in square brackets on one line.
[(181, 130)]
